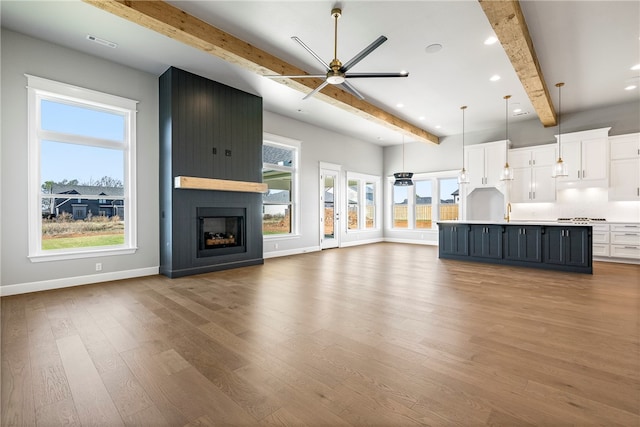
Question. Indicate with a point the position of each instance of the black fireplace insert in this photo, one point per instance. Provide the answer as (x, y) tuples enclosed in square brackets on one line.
[(221, 231)]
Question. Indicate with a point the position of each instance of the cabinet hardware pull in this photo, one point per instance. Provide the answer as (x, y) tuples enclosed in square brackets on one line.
[(578, 174), (630, 234), (631, 247), (583, 174)]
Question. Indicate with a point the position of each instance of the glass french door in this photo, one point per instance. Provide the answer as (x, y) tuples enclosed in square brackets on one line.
[(329, 206)]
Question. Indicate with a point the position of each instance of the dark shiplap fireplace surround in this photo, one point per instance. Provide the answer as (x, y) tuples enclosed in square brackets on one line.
[(211, 131)]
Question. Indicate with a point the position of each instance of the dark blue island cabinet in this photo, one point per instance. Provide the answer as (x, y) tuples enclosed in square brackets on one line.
[(523, 243), (486, 241), (566, 246), (454, 240), (546, 246)]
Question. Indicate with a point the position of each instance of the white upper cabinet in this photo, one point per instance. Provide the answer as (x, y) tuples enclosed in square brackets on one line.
[(484, 163), (625, 167), (532, 170), (586, 155)]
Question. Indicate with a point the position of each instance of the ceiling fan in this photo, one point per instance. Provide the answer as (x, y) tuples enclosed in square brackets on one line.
[(337, 73)]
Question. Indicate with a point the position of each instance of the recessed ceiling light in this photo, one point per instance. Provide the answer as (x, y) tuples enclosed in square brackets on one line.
[(635, 67), (421, 118), (491, 40), (494, 78), (101, 41), (630, 87), (433, 48), (399, 105), (438, 126)]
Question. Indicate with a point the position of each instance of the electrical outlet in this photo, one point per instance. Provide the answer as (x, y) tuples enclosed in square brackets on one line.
[(275, 246), (98, 266)]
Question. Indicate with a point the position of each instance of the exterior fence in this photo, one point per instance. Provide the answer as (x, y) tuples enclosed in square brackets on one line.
[(423, 215)]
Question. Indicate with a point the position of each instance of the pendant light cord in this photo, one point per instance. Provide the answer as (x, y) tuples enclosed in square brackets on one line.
[(559, 86)]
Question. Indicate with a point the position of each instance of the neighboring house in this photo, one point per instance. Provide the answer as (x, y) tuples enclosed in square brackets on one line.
[(456, 197), (109, 202)]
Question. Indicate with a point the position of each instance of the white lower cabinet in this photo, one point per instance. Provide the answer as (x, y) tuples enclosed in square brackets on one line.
[(600, 240), (616, 242)]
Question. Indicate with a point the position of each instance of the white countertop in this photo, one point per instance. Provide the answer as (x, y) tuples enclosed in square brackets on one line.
[(521, 222)]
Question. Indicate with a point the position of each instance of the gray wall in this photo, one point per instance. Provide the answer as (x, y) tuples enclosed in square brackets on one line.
[(20, 55), (320, 145)]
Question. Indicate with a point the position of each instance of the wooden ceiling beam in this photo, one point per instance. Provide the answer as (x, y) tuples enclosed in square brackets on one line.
[(507, 20), (179, 25)]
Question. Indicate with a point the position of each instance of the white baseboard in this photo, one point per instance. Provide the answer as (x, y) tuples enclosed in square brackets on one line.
[(46, 285), (297, 251), (412, 241), (361, 242)]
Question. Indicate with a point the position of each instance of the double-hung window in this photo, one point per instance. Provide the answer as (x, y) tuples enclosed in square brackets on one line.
[(433, 197), (362, 201), (81, 172), (279, 172)]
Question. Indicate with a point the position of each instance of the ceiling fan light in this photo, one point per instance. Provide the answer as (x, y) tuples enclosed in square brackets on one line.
[(335, 80)]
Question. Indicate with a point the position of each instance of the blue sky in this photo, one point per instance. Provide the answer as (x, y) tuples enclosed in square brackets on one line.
[(61, 161)]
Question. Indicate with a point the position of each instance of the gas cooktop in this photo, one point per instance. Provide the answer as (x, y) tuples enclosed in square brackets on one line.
[(579, 220)]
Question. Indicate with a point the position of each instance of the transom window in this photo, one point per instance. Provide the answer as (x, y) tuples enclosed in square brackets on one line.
[(81, 172)]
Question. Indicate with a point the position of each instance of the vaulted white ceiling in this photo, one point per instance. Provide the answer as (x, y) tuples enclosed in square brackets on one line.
[(589, 45)]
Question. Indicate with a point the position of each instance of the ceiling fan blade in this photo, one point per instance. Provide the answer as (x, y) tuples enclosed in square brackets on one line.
[(352, 90), (374, 75), (308, 49), (302, 76), (366, 51), (316, 90)]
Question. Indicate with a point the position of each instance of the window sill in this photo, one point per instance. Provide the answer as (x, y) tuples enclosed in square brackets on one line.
[(280, 236), (91, 253)]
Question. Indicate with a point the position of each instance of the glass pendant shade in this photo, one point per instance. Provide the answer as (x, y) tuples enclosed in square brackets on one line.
[(463, 176), (560, 168), (507, 172)]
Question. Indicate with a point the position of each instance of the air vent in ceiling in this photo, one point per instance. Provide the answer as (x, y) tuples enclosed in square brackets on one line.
[(101, 41)]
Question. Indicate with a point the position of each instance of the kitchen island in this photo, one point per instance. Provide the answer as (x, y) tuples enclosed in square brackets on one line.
[(546, 245)]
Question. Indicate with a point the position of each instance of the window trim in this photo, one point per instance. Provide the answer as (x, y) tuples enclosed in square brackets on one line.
[(295, 145), (40, 88), (363, 179)]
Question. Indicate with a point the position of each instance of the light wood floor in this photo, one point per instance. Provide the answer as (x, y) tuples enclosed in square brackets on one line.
[(383, 334)]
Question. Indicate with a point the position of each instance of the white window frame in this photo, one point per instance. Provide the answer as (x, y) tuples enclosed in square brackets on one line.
[(295, 145), (363, 179), (435, 178), (39, 89)]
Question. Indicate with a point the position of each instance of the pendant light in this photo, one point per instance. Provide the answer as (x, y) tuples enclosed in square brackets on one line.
[(463, 177), (507, 172), (403, 179), (560, 168)]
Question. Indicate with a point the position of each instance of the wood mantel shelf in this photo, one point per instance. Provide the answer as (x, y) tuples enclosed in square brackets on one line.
[(195, 183)]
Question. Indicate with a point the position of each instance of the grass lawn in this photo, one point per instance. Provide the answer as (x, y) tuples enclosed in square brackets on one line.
[(83, 241)]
